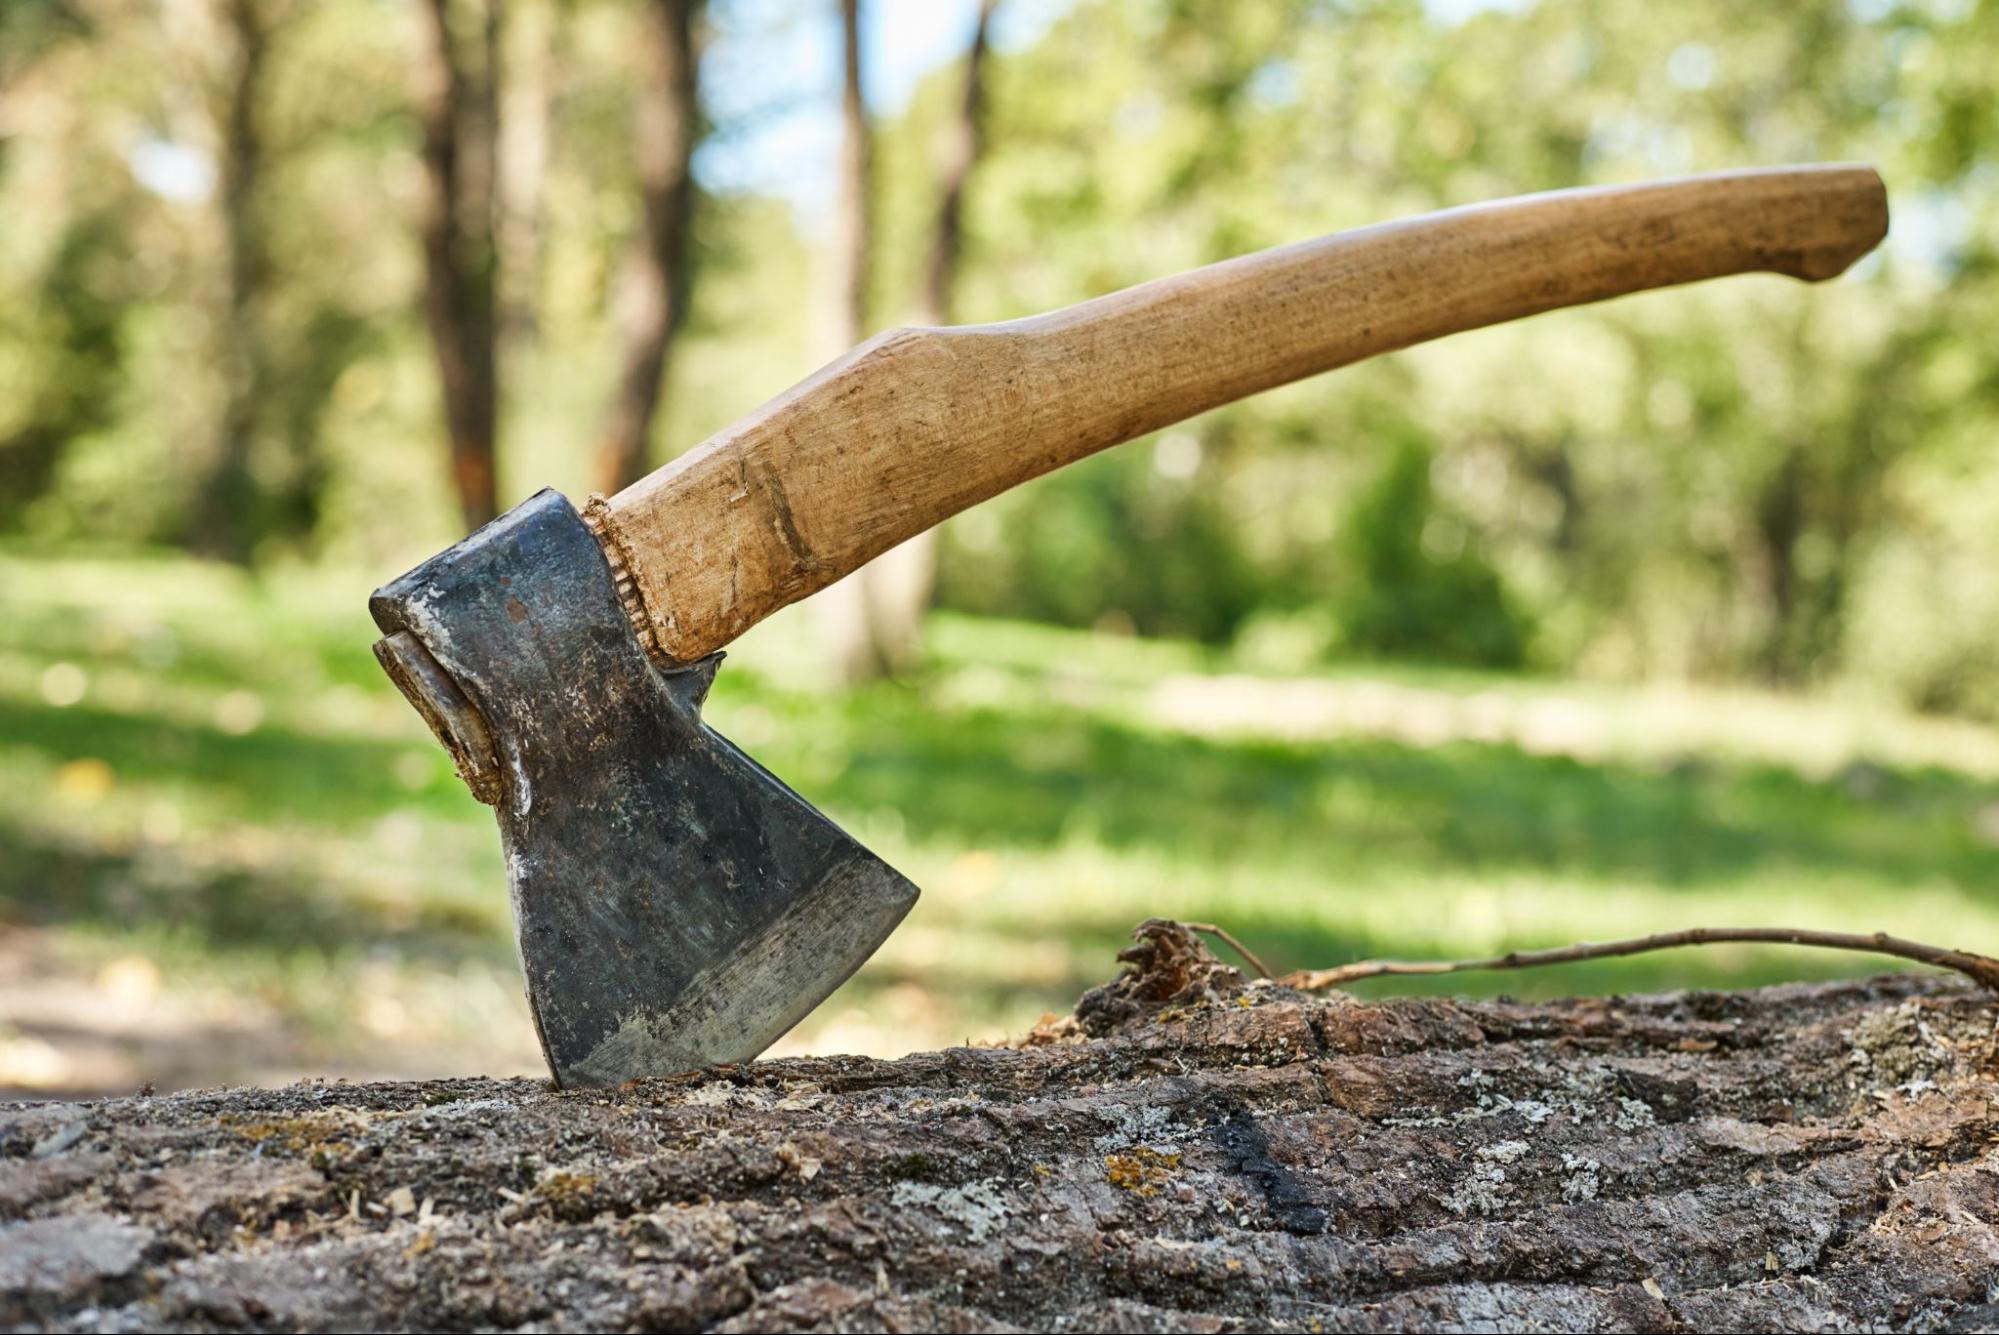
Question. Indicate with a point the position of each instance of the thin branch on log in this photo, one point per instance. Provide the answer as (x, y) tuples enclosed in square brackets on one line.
[(1980, 969), (1223, 934)]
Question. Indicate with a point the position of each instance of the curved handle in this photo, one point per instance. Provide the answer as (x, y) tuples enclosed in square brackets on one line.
[(916, 425)]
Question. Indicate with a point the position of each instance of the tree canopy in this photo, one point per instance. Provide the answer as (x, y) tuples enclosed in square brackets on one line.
[(1753, 479)]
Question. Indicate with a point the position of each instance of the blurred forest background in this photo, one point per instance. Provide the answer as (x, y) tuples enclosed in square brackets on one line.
[(1679, 610)]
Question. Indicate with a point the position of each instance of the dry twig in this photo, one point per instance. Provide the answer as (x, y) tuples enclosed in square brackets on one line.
[(1216, 930), (1980, 969)]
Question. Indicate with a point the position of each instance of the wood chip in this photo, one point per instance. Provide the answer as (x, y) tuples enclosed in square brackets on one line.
[(1651, 1286), (402, 1201)]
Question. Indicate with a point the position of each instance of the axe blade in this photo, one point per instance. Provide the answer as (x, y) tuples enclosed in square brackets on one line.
[(675, 904)]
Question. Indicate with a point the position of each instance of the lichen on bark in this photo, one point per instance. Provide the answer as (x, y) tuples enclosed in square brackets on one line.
[(1190, 1152)]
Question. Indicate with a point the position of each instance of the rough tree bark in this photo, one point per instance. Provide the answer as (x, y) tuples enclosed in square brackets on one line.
[(458, 100), (1187, 1153), (656, 290)]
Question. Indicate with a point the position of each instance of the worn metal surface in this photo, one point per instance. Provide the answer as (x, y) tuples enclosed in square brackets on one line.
[(676, 905)]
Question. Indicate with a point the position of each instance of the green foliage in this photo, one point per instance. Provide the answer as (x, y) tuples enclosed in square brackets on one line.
[(1731, 481), (74, 326), (1748, 480), (238, 794), (1114, 541), (1413, 588)]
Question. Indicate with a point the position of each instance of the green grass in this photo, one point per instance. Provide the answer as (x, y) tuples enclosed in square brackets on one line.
[(239, 797)]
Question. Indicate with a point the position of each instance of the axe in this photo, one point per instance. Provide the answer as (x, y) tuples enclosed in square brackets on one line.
[(675, 904)]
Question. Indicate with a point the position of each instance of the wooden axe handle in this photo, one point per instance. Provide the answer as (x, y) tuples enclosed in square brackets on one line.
[(916, 425)]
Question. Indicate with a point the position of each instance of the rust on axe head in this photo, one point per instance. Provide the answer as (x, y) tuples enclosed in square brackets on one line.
[(676, 905)]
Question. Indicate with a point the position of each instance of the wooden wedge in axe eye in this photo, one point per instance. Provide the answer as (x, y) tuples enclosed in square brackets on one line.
[(676, 905)]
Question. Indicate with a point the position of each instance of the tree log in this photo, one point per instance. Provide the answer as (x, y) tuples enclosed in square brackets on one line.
[(1189, 1152)]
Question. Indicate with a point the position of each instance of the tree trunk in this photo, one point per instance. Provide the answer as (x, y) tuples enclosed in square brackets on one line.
[(1779, 522), (656, 292), (851, 246), (963, 147), (877, 613), (459, 110), (1187, 1153), (844, 610), (533, 58), (226, 511)]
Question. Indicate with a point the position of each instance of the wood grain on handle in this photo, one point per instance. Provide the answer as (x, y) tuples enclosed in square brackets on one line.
[(916, 425)]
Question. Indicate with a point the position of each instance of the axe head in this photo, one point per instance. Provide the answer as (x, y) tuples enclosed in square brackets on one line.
[(675, 905)]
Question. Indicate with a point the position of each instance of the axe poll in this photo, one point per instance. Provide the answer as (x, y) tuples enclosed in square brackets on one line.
[(675, 904)]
